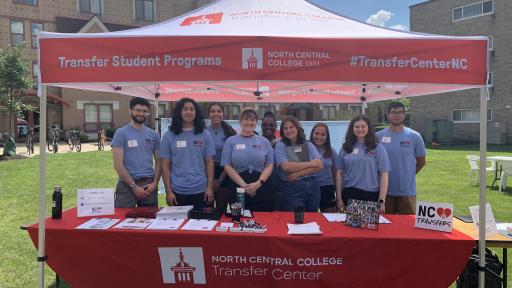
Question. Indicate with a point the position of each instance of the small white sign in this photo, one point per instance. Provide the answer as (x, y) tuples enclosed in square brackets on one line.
[(132, 143), (181, 144), (490, 225), (434, 216), (240, 146), (386, 139), (95, 202)]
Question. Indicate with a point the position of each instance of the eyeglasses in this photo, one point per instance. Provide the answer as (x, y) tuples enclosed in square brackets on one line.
[(140, 111), (397, 112)]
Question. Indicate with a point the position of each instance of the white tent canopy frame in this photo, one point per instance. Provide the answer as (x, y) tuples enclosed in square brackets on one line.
[(262, 51)]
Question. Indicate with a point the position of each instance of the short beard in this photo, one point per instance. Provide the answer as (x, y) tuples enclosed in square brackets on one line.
[(134, 118)]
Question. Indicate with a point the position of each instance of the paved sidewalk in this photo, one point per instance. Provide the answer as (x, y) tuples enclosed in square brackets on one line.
[(21, 148)]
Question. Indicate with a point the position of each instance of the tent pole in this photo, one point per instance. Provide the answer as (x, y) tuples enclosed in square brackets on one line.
[(156, 114), (482, 176), (41, 257)]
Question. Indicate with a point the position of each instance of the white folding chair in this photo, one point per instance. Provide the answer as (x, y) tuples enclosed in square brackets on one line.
[(506, 170), (474, 161)]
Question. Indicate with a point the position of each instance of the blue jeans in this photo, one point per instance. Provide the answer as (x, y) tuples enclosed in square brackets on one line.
[(305, 192)]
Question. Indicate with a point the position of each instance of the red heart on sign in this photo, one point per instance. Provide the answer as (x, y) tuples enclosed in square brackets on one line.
[(443, 213)]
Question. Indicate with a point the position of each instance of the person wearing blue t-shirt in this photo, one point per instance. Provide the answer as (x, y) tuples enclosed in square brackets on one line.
[(134, 147), (268, 130), (363, 166), (298, 161), (248, 160), (220, 131), (187, 152), (321, 138), (406, 151)]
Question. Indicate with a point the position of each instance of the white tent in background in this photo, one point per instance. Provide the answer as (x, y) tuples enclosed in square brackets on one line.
[(262, 50)]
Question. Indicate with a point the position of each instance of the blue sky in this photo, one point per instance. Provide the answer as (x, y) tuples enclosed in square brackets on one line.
[(388, 13)]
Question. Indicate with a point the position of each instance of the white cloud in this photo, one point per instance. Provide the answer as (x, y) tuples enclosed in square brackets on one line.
[(398, 27), (380, 18)]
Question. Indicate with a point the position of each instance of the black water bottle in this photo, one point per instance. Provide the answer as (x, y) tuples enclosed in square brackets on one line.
[(57, 203)]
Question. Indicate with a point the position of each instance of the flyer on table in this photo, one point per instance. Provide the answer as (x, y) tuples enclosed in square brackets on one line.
[(95, 202)]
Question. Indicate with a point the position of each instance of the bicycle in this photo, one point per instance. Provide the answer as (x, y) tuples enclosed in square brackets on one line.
[(53, 144), (101, 140), (30, 141), (74, 140)]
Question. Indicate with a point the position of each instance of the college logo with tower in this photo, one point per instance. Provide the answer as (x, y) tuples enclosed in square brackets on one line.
[(252, 58), (182, 265), (214, 18)]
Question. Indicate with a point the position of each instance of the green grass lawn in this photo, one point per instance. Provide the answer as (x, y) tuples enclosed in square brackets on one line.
[(444, 179)]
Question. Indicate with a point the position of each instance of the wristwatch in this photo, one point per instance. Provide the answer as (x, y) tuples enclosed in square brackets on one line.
[(261, 181), (381, 201), (133, 185)]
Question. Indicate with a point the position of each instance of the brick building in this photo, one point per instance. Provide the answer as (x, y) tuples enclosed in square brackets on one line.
[(469, 18)]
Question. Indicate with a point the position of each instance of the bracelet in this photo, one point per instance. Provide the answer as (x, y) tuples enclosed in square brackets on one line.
[(261, 181)]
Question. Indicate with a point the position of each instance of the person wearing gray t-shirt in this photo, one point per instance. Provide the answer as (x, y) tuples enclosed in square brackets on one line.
[(406, 151), (134, 147), (187, 158)]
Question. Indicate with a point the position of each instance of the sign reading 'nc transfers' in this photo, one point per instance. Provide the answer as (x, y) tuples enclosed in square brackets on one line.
[(434, 216)]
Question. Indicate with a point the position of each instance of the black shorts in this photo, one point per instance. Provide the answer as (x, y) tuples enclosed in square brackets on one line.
[(327, 196), (359, 194)]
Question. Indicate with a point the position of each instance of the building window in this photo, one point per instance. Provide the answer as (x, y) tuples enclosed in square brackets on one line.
[(263, 109), (490, 43), (355, 108), (97, 116), (231, 112), (28, 2), (144, 10), (329, 112), (490, 81), (35, 73), (90, 6), (472, 10), (17, 32), (161, 110), (469, 115), (34, 28)]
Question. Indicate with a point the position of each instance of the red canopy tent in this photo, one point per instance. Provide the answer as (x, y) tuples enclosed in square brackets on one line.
[(262, 50)]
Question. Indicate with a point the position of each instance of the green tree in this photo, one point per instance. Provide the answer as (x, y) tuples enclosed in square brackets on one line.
[(15, 75)]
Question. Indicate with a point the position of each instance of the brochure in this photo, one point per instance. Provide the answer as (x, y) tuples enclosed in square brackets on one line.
[(134, 223), (311, 228), (98, 223), (166, 224), (199, 225)]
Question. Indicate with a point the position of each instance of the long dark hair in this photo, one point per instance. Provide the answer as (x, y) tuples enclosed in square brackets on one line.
[(327, 144), (370, 140), (228, 130), (301, 138), (177, 121)]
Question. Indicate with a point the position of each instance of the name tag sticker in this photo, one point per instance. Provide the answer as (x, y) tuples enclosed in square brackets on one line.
[(240, 146), (386, 139), (181, 144), (355, 151), (132, 143), (297, 149)]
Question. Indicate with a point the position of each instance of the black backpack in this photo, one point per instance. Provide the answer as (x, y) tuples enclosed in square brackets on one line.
[(493, 267)]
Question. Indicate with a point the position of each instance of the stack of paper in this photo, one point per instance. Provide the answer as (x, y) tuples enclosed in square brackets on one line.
[(335, 217), (199, 225), (174, 212), (166, 224), (342, 217), (134, 223), (302, 229), (98, 223)]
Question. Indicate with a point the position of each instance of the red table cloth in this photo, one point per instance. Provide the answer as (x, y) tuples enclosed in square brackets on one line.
[(397, 255)]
